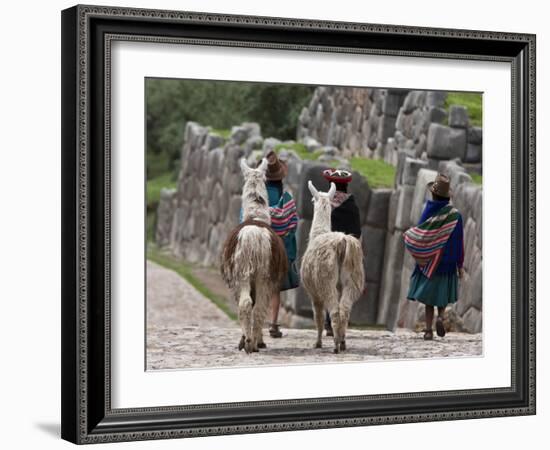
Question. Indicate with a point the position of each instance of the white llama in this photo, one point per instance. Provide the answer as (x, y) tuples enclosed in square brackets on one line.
[(253, 260), (331, 270)]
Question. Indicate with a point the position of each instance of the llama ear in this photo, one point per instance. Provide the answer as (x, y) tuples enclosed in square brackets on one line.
[(314, 192), (331, 191), (263, 166), (244, 167)]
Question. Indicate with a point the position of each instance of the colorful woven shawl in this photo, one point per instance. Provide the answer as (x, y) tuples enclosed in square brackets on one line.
[(283, 215), (426, 241)]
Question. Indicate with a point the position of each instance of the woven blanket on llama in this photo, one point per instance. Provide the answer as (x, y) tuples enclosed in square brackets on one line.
[(426, 241)]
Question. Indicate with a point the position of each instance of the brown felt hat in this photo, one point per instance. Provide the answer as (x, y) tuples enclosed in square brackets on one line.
[(276, 169), (441, 186)]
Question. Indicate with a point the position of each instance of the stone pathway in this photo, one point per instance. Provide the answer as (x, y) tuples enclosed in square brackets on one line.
[(186, 330)]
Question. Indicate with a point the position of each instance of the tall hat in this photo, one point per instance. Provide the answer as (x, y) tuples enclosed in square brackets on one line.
[(276, 168), (337, 175), (441, 186)]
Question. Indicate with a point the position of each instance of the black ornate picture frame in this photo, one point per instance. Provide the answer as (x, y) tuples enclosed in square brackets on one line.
[(87, 34)]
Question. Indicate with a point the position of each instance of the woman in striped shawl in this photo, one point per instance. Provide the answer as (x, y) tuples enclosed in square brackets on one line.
[(437, 245), (284, 220)]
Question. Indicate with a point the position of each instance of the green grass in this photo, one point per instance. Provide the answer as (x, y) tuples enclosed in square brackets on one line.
[(477, 178), (472, 101), (300, 150), (379, 174), (155, 185), (185, 271), (224, 133)]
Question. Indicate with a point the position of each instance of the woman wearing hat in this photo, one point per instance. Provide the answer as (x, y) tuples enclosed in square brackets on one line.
[(284, 220), (345, 213), (437, 245)]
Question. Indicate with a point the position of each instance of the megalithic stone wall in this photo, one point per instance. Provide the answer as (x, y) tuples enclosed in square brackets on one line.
[(357, 121)]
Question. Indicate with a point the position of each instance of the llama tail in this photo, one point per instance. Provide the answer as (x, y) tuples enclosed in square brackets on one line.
[(352, 272)]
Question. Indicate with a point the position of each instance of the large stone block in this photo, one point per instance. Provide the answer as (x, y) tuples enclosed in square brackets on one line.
[(473, 153), (373, 242), (311, 144), (252, 128), (421, 193), (404, 204), (300, 302), (165, 216), (213, 141), (239, 135), (391, 104), (215, 161), (361, 191), (377, 213), (391, 277), (458, 116), (302, 237), (269, 144), (436, 98), (392, 209), (386, 128), (469, 241), (314, 172), (436, 114), (405, 312), (364, 310), (457, 143), (410, 170), (472, 320), (413, 100), (445, 142), (475, 135), (476, 284)]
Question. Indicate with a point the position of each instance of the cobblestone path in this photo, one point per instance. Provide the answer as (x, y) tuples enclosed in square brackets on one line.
[(186, 330)]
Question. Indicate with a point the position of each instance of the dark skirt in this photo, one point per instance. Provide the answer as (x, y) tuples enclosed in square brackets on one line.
[(291, 279), (440, 290)]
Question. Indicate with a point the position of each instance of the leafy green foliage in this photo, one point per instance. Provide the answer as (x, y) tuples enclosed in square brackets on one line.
[(379, 174), (472, 101), (220, 104), (185, 270), (477, 178)]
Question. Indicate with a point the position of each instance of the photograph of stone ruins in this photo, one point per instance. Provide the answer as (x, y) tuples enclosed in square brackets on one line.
[(391, 143)]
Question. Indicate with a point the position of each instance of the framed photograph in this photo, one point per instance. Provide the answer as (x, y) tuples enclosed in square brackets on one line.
[(278, 224)]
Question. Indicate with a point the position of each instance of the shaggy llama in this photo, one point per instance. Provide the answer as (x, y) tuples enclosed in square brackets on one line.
[(253, 260), (331, 270)]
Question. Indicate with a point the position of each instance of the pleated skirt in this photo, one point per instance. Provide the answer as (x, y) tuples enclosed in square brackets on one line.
[(438, 291)]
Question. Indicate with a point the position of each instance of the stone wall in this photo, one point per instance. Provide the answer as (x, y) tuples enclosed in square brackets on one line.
[(383, 123)]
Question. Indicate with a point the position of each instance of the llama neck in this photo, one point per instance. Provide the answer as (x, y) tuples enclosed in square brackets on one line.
[(254, 204), (321, 224)]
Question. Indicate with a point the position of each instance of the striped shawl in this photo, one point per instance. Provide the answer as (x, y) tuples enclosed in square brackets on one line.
[(427, 240), (283, 215)]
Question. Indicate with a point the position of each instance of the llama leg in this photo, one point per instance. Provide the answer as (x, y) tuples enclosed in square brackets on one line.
[(259, 313), (245, 314), (318, 311), (334, 309), (345, 311)]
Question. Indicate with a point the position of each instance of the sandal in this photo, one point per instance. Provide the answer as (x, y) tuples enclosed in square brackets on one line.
[(428, 335), (440, 327), (274, 331)]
